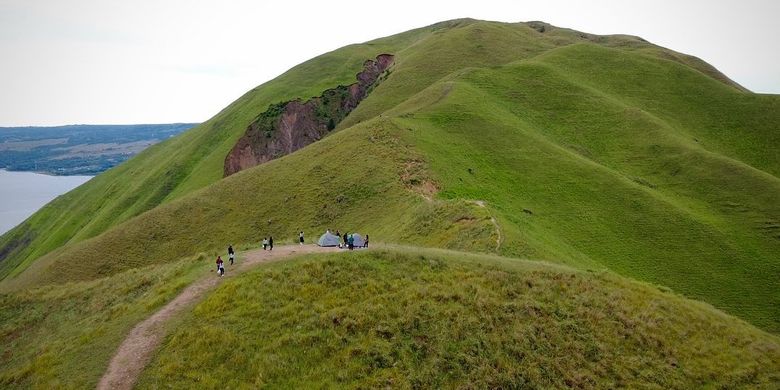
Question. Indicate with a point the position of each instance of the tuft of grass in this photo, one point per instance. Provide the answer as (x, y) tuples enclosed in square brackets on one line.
[(412, 318)]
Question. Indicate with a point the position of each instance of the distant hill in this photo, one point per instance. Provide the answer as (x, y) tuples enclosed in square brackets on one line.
[(519, 139), (78, 149)]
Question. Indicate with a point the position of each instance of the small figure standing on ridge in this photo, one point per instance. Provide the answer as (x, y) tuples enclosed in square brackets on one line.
[(265, 243), (365, 243), (220, 266), (345, 239), (270, 243), (231, 254), (300, 237), (351, 242)]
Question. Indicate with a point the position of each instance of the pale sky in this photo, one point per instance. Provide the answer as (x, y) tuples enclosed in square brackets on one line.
[(142, 61)]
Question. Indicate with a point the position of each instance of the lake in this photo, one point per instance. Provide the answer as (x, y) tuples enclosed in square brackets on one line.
[(23, 193)]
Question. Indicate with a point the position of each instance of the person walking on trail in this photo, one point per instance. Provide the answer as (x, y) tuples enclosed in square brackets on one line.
[(300, 237), (265, 243), (270, 243), (220, 266), (231, 253), (351, 242), (365, 243)]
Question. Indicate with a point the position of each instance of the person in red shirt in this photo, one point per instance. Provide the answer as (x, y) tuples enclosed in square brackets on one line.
[(220, 267)]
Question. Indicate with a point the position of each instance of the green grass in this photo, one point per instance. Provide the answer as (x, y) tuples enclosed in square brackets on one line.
[(639, 173), (64, 336), (605, 154), (596, 152), (304, 191), (195, 159), (411, 318)]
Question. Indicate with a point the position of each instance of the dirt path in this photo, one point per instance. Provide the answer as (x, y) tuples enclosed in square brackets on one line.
[(500, 238), (136, 351)]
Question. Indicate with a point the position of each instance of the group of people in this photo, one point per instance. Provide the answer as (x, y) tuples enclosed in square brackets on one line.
[(268, 244), (221, 263)]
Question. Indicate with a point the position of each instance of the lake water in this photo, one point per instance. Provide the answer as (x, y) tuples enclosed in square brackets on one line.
[(23, 193)]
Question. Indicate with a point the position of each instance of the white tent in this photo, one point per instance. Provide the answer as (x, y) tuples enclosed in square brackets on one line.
[(329, 239)]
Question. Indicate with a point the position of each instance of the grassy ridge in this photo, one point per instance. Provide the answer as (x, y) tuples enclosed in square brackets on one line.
[(63, 337), (413, 318), (610, 176), (365, 179), (598, 152), (194, 160), (177, 166)]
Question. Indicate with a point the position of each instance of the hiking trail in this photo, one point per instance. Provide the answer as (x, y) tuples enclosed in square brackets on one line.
[(136, 350), (499, 238)]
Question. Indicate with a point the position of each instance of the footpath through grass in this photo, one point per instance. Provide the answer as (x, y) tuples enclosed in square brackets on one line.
[(64, 336), (430, 318)]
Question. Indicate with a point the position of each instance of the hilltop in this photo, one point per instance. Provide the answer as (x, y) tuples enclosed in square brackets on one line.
[(643, 180), (399, 317), (593, 151)]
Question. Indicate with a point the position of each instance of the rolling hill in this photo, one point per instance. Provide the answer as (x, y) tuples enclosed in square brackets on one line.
[(412, 318), (608, 158), (593, 151)]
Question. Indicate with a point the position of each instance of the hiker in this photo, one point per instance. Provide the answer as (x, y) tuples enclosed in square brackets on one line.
[(270, 243), (220, 267), (345, 239), (351, 242), (265, 243), (365, 243), (231, 254), (300, 237)]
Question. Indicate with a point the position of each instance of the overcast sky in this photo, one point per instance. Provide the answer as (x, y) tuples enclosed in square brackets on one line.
[(142, 61)]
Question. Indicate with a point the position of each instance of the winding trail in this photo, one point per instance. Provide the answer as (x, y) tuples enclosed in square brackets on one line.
[(136, 350), (500, 238)]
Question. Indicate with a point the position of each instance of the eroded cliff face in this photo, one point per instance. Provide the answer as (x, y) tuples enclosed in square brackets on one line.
[(289, 126)]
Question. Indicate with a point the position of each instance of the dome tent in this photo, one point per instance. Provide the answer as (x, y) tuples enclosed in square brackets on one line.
[(329, 239), (358, 240)]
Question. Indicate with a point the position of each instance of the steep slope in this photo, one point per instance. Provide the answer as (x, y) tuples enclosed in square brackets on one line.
[(196, 159), (286, 127), (598, 152), (179, 165), (645, 173), (434, 319)]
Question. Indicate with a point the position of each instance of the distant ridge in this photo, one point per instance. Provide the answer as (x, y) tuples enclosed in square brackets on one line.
[(78, 149)]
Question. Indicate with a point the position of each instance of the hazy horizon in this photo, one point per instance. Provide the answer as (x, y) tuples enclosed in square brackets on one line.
[(98, 62)]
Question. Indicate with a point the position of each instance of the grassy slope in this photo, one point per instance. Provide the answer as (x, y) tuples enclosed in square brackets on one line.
[(433, 319), (327, 185), (614, 175), (64, 336), (194, 160), (179, 165)]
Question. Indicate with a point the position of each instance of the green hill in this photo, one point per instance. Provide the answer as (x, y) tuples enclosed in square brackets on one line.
[(436, 319), (592, 151), (398, 317)]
